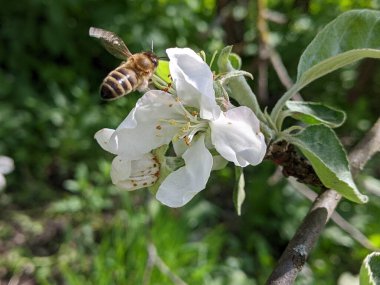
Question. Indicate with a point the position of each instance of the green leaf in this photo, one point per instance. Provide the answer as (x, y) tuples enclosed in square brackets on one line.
[(316, 113), (239, 192), (220, 91), (213, 59), (352, 36), (333, 63), (235, 60), (323, 149), (238, 86), (202, 54), (163, 70), (232, 74), (370, 270)]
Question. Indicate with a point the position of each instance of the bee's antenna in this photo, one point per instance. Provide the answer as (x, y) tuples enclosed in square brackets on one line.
[(152, 45)]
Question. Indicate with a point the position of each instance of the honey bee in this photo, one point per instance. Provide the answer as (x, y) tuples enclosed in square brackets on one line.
[(132, 74)]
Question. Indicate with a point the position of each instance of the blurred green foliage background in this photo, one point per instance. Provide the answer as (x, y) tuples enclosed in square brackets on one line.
[(61, 220)]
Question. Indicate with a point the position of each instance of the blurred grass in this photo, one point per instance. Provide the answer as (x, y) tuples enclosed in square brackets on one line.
[(61, 220)]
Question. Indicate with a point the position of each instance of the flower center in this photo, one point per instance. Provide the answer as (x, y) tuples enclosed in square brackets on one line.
[(189, 126)]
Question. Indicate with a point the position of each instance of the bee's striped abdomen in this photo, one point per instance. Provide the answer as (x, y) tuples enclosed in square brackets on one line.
[(118, 82)]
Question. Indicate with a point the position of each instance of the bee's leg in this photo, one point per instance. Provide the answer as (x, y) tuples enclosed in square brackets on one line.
[(166, 89), (143, 87)]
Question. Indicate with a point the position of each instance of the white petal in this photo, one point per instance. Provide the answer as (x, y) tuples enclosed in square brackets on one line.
[(150, 124), (106, 140), (193, 81), (138, 183), (146, 165), (183, 184), (236, 136), (6, 164), (134, 174), (120, 170)]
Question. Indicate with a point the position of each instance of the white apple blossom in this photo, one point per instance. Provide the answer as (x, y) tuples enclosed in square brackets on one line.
[(130, 173), (6, 166), (194, 122), (135, 174)]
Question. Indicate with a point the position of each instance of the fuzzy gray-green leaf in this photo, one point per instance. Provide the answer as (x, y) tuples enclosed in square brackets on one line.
[(326, 154), (370, 270), (350, 37), (238, 86), (316, 113)]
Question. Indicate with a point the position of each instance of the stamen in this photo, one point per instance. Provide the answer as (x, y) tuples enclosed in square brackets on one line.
[(189, 126), (188, 115), (202, 126)]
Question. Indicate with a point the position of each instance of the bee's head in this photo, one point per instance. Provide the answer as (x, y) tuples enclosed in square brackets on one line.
[(152, 57)]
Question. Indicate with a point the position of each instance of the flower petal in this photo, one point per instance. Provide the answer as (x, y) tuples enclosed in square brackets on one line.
[(106, 140), (236, 136), (149, 125), (183, 184), (120, 170), (134, 174), (193, 81)]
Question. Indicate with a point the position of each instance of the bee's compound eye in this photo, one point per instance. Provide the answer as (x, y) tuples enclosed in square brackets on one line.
[(152, 57), (154, 60)]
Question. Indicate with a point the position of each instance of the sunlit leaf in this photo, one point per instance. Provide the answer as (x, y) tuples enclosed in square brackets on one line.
[(370, 270), (235, 60), (327, 156), (316, 113), (163, 70), (350, 37)]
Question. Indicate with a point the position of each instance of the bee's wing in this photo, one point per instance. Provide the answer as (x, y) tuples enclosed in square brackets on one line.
[(112, 43)]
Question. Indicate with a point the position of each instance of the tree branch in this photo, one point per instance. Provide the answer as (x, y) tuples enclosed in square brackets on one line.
[(262, 29), (299, 247), (365, 149), (335, 217), (281, 71)]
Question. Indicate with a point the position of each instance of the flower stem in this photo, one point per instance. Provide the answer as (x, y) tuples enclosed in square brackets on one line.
[(275, 115)]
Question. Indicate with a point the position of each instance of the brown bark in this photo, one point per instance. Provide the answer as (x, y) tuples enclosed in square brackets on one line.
[(300, 246)]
